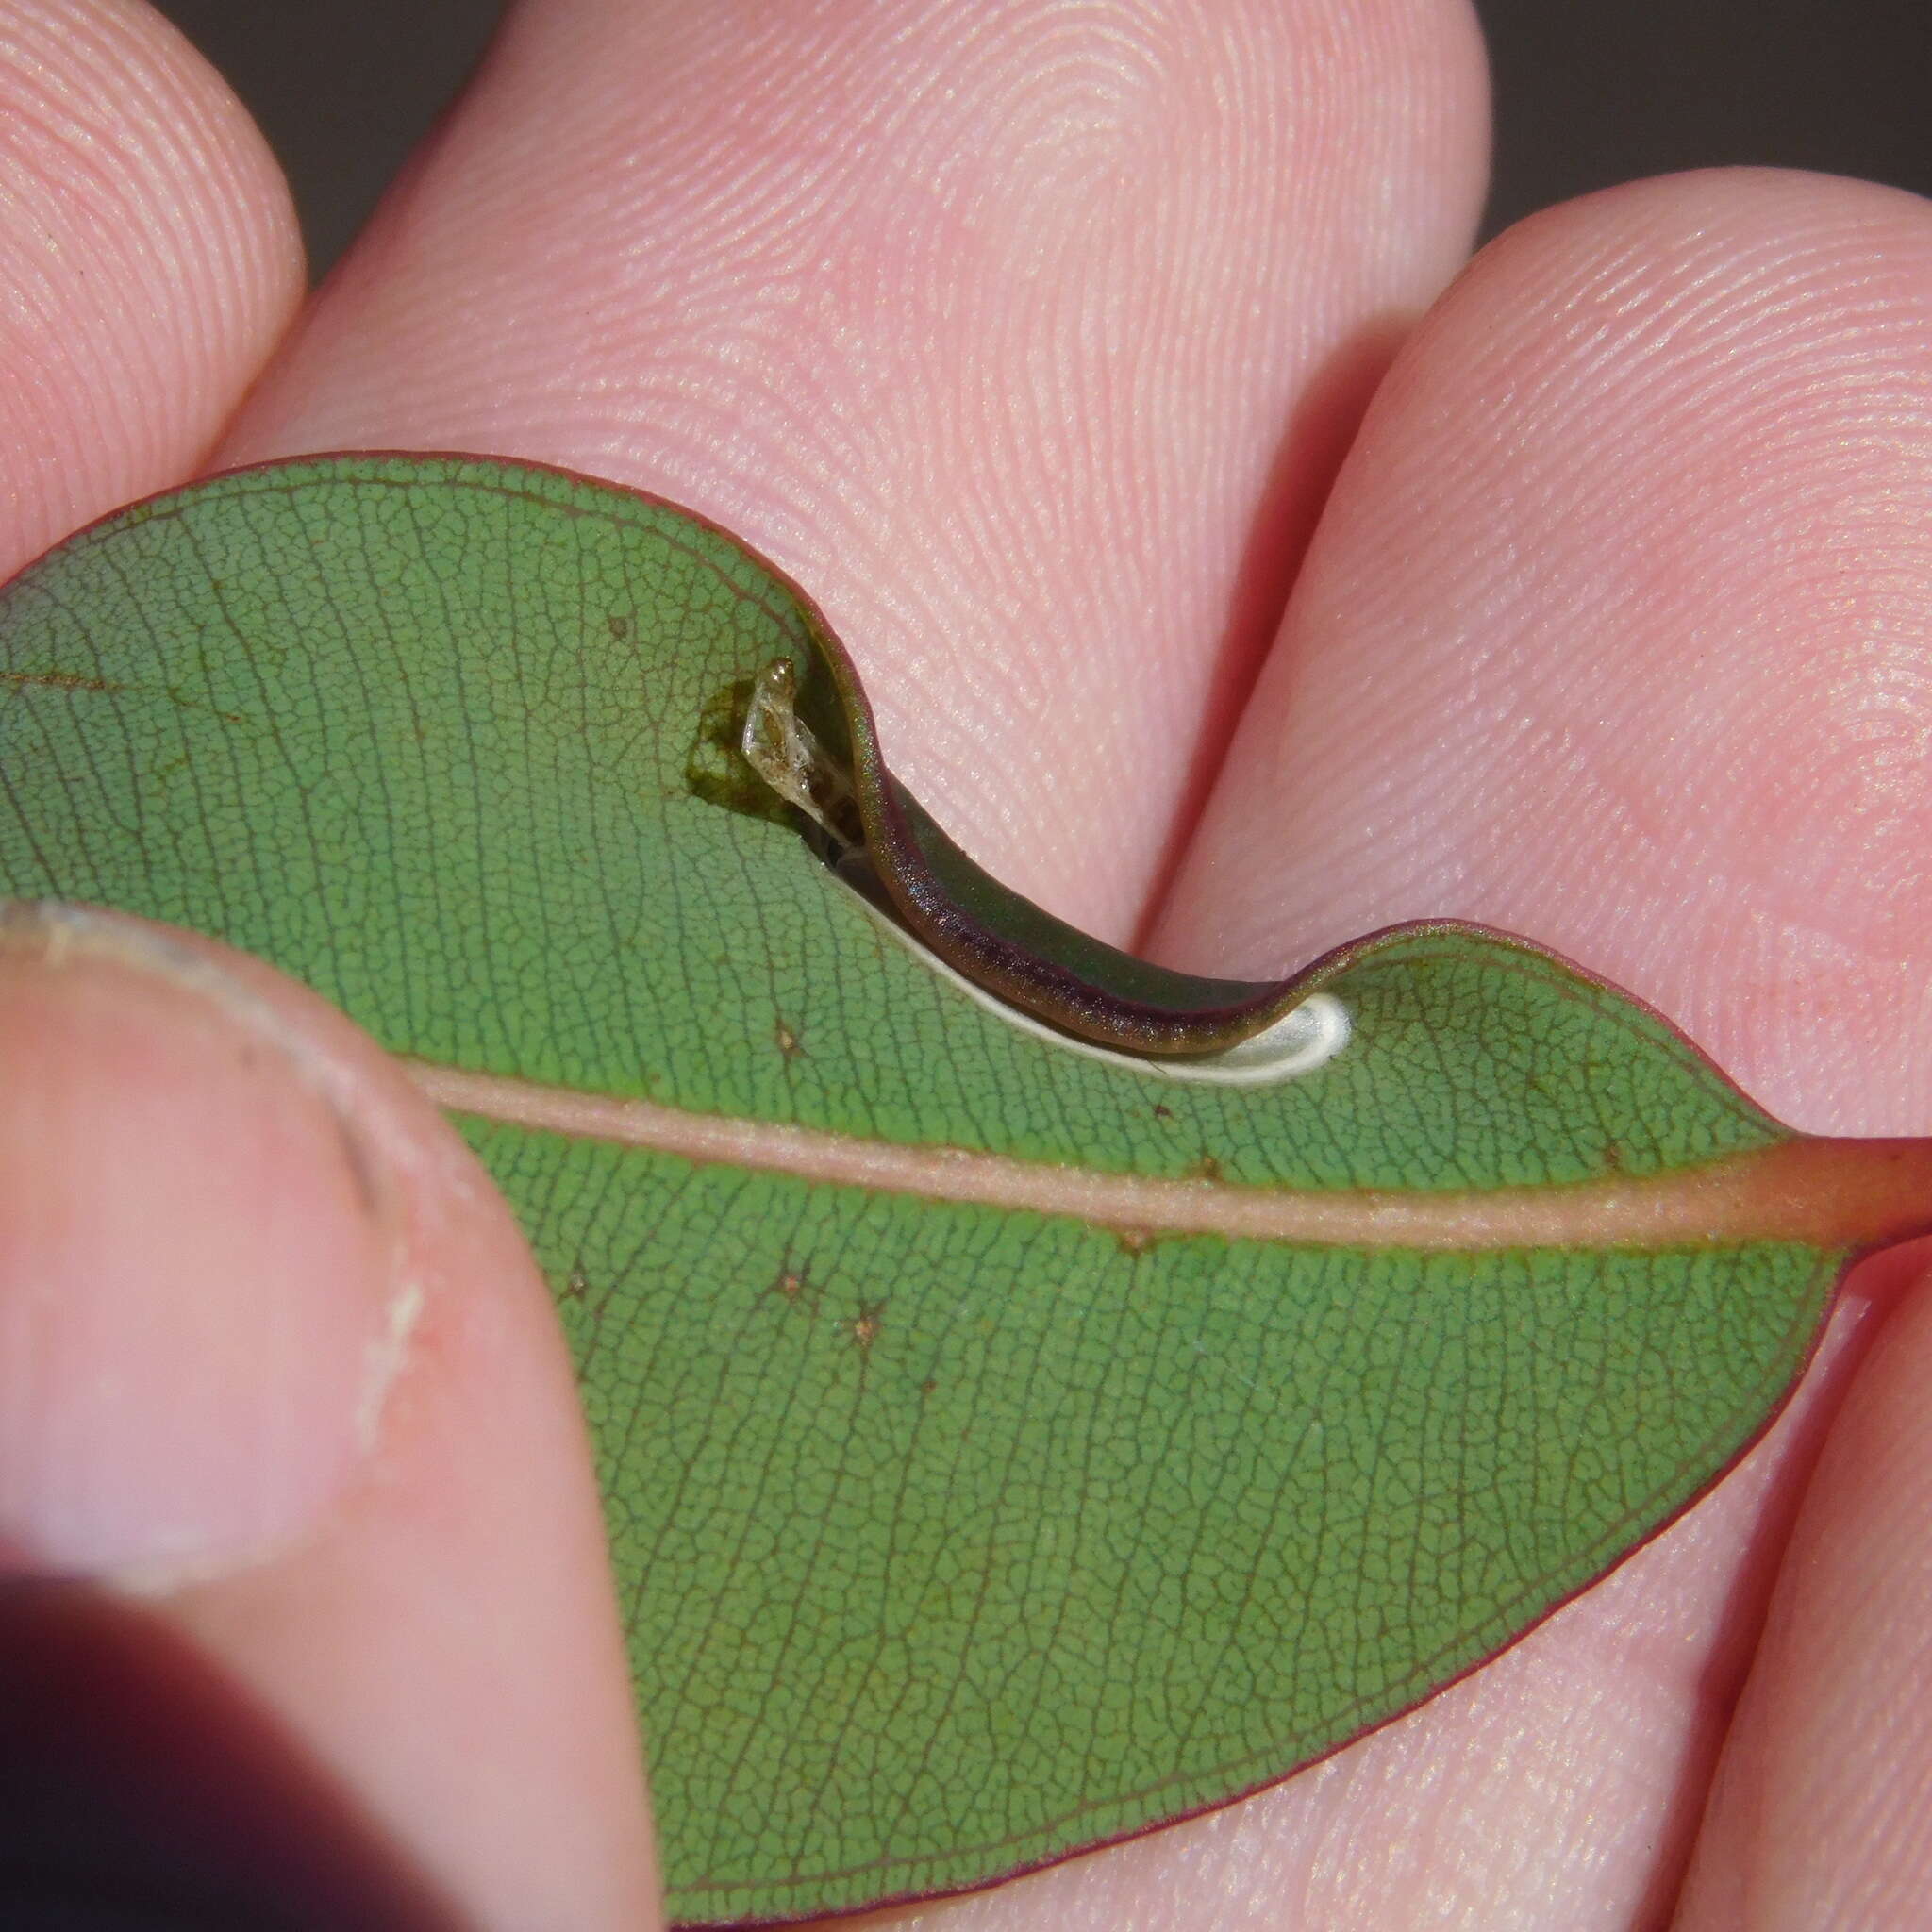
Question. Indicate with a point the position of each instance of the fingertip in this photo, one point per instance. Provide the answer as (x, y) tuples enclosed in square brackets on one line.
[(1613, 634), (1817, 1815), (356, 1398), (151, 255), (1025, 335), (197, 1304)]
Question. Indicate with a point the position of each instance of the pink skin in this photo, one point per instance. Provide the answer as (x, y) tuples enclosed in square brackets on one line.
[(1031, 339)]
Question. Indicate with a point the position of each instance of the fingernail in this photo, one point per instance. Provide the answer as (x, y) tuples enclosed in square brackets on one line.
[(198, 1303)]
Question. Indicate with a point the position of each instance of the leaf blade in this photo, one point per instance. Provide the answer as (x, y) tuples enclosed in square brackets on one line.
[(1111, 1368), (444, 739)]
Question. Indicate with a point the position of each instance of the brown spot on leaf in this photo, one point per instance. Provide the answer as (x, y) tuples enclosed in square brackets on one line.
[(787, 1039), (57, 680), (82, 682), (864, 1327)]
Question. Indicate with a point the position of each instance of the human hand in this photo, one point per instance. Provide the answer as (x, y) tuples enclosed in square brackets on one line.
[(1031, 342)]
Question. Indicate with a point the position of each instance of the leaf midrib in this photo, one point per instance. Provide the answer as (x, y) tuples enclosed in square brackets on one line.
[(1826, 1194)]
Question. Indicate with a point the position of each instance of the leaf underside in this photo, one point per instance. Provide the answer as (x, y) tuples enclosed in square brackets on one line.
[(952, 1537)]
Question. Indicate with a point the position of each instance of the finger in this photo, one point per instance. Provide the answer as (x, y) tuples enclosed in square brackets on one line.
[(1817, 1816), (1613, 634), (1025, 336), (1616, 634), (278, 1377), (150, 258)]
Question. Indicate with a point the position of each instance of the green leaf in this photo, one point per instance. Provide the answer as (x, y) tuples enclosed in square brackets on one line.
[(1007, 1446)]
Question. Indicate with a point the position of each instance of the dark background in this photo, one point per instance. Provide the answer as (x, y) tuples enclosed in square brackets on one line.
[(1587, 92)]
